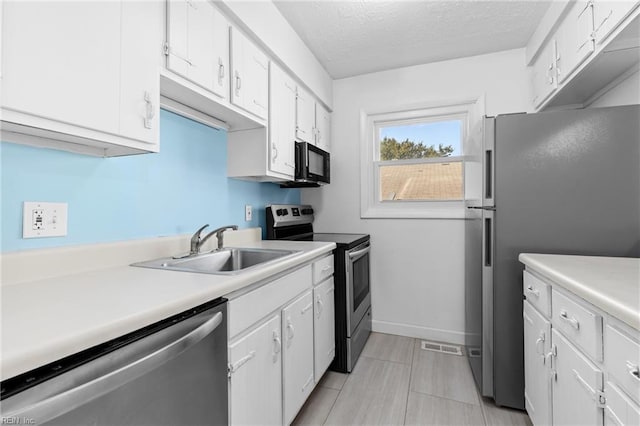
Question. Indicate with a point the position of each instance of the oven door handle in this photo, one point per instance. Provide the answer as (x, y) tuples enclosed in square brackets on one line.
[(353, 256)]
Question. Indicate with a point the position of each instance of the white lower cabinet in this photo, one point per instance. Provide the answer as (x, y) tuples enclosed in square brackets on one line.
[(620, 410), (577, 386), (568, 359), (537, 339), (324, 344), (276, 332), (297, 361), (255, 371)]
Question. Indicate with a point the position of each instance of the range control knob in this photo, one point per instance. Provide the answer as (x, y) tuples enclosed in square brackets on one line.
[(307, 211), (285, 212)]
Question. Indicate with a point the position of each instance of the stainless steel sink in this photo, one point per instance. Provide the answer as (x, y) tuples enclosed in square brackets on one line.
[(226, 261)]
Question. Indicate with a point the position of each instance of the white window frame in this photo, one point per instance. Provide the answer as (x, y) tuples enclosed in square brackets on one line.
[(371, 206)]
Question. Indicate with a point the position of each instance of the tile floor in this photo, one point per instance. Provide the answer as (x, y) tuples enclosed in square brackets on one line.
[(395, 382)]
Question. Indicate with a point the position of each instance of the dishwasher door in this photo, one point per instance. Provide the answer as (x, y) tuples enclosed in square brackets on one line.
[(171, 373)]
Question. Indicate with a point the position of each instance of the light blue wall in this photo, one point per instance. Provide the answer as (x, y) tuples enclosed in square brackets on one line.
[(112, 199)]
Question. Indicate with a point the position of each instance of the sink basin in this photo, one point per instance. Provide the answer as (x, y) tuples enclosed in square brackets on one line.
[(227, 261)]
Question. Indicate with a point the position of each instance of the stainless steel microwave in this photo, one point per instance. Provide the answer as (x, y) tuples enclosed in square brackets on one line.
[(312, 166)]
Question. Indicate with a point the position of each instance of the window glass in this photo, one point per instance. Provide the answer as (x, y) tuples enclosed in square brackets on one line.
[(420, 160)]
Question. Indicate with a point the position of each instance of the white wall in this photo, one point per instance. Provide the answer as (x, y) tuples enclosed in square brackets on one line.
[(627, 92), (417, 264)]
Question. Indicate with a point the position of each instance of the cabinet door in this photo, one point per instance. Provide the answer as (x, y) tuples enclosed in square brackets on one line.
[(198, 40), (537, 392), (620, 410), (323, 327), (305, 116), (282, 121), (323, 128), (544, 74), (255, 374), (576, 386), (575, 40), (250, 75), (257, 80), (61, 61), (297, 330), (608, 14), (140, 85)]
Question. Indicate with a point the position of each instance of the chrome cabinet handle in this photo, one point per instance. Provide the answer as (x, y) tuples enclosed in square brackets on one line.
[(242, 361), (533, 291), (634, 369), (149, 110), (290, 166), (572, 321), (238, 83), (274, 149), (541, 339), (290, 332), (277, 345), (320, 305), (220, 71)]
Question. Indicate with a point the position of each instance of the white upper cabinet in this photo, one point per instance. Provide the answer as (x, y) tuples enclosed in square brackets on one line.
[(198, 44), (575, 39), (305, 116), (82, 76), (139, 83), (249, 75), (323, 128), (543, 74), (608, 14), (282, 121), (73, 74)]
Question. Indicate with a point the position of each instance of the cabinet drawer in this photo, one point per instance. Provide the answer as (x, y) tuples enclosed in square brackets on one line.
[(538, 293), (322, 269), (581, 325), (251, 307), (619, 410), (622, 358)]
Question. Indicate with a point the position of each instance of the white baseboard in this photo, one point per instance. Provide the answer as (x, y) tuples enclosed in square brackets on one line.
[(419, 332)]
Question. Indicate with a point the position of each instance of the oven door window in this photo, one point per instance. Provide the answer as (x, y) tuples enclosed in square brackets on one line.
[(360, 281)]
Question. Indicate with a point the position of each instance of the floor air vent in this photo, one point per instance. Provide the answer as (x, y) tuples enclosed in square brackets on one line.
[(440, 347)]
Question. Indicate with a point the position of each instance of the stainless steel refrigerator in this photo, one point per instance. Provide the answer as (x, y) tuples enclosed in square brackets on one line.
[(564, 182)]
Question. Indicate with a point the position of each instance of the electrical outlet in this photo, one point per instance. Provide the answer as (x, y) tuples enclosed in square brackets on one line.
[(248, 213), (44, 219)]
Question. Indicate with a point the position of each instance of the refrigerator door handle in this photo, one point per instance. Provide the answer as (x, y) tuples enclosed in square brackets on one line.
[(492, 208), (488, 241)]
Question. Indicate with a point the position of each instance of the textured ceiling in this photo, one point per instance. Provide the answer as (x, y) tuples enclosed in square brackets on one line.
[(358, 37)]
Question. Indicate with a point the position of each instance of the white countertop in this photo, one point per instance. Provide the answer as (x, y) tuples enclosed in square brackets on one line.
[(609, 283), (45, 320)]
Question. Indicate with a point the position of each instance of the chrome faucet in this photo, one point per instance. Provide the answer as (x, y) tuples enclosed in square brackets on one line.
[(197, 241)]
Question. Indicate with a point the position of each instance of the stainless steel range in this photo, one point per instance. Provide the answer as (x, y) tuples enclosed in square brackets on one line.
[(351, 264)]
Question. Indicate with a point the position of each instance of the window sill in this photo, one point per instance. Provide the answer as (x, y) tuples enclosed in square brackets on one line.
[(439, 210)]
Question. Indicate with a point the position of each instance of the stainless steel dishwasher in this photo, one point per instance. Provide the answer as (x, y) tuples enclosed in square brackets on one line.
[(173, 372)]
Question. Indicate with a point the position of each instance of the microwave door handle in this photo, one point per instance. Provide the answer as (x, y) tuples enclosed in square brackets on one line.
[(58, 404)]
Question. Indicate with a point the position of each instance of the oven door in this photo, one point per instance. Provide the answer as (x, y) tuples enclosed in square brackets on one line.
[(357, 283)]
